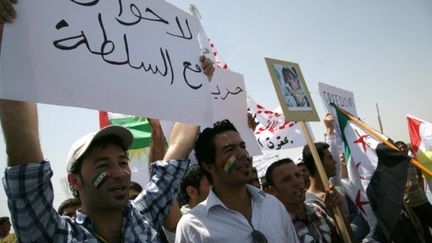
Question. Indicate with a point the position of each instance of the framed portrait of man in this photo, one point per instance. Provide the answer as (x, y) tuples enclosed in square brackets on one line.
[(291, 90)]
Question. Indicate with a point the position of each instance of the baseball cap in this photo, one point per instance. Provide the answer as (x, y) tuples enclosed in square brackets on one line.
[(80, 146)]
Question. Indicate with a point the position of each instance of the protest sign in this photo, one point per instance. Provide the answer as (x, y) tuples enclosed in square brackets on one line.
[(340, 97), (229, 102), (132, 57)]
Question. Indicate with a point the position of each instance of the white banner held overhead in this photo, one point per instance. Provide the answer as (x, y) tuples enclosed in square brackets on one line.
[(132, 57)]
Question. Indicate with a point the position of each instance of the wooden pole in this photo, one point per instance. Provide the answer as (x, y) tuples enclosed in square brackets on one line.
[(378, 136), (379, 119), (320, 169)]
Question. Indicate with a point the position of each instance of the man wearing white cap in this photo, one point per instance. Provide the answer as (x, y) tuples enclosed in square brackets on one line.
[(98, 173)]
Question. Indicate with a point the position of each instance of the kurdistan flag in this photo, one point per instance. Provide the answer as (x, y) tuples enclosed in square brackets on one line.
[(139, 151), (139, 127), (421, 140)]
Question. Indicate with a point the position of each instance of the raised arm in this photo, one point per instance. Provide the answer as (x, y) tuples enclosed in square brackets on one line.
[(20, 127), (158, 147), (182, 140)]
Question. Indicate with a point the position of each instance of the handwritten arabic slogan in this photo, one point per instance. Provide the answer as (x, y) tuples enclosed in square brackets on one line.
[(229, 102), (272, 131), (134, 57)]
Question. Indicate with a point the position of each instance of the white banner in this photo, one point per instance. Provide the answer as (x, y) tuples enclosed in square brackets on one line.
[(132, 57), (273, 132)]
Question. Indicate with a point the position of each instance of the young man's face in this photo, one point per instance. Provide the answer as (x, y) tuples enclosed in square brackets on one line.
[(329, 164), (305, 173), (229, 144), (5, 227), (113, 191), (70, 211), (288, 184)]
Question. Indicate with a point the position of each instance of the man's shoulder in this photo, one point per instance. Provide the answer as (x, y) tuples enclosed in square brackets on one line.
[(273, 202), (193, 217)]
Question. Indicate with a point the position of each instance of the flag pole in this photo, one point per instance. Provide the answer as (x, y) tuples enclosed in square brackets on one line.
[(377, 135), (379, 119), (340, 222)]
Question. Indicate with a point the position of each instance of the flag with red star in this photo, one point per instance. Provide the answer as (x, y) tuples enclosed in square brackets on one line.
[(379, 170), (359, 149)]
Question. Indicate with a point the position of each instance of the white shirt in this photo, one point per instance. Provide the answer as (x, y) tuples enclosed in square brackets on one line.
[(212, 221)]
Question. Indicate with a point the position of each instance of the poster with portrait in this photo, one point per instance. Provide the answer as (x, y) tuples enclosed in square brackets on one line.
[(291, 90)]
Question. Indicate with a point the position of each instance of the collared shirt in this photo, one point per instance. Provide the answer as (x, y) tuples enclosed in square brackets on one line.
[(170, 235), (211, 221), (314, 225), (30, 197)]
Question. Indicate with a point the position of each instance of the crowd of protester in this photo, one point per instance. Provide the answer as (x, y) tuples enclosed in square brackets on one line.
[(221, 199)]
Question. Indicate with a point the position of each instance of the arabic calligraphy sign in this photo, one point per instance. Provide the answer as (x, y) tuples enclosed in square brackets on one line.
[(134, 57), (229, 102)]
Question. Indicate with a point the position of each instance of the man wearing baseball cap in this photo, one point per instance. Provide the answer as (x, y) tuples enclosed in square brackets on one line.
[(98, 174)]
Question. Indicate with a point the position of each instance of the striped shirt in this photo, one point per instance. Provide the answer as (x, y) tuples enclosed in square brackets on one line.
[(314, 226), (30, 199)]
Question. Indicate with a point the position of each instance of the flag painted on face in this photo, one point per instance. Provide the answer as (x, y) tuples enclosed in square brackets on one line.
[(139, 127), (421, 140), (272, 131)]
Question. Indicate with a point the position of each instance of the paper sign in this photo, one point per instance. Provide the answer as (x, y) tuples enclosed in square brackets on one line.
[(131, 57), (229, 102), (340, 97)]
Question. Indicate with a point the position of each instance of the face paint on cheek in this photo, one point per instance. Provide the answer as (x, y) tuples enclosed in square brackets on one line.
[(230, 165), (99, 178)]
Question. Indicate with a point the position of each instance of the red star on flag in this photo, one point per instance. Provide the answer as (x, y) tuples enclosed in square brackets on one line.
[(359, 202), (357, 167), (361, 139)]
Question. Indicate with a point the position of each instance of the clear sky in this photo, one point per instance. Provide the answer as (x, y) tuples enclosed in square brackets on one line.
[(379, 50)]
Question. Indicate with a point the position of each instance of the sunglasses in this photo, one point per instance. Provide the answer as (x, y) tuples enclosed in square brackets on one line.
[(258, 237)]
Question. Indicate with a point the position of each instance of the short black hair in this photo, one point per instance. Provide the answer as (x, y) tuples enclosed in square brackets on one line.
[(193, 178), (135, 186), (272, 167), (204, 146), (3, 220), (71, 202), (103, 142), (308, 158)]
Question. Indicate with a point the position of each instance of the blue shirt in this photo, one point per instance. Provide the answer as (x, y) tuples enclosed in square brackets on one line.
[(30, 199)]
